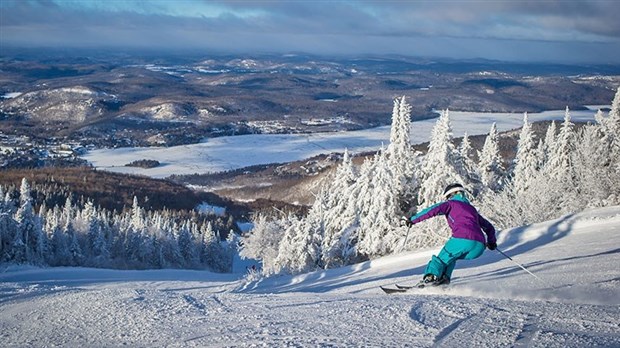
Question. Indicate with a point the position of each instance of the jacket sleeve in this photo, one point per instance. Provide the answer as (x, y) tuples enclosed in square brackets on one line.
[(488, 229), (434, 210)]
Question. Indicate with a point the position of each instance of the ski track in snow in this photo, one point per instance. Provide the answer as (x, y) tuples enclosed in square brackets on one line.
[(490, 303)]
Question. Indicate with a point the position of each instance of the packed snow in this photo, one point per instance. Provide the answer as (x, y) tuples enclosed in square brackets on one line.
[(233, 152), (571, 301)]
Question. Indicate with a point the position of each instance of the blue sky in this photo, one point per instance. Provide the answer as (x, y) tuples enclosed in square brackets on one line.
[(541, 30)]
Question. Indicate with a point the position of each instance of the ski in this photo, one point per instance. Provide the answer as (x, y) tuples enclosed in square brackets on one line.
[(392, 291), (406, 287)]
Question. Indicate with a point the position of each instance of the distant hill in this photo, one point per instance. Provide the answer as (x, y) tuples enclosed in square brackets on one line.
[(114, 100)]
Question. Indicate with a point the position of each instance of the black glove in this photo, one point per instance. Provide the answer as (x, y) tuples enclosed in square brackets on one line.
[(491, 245), (406, 221)]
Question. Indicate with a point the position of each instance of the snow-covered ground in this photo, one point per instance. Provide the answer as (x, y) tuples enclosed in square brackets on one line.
[(575, 302), (233, 152)]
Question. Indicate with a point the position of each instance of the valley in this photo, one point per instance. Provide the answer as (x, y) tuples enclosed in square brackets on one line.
[(263, 128)]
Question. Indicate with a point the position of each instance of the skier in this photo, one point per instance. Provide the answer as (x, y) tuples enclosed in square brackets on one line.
[(467, 241)]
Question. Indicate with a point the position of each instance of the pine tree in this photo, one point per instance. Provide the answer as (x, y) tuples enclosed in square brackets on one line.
[(171, 248), (399, 149), (337, 192), (560, 163), (597, 183), (466, 167), (17, 250), (187, 246), (292, 257), (75, 250), (28, 226), (7, 228), (313, 232), (439, 166), (58, 250), (525, 164), (402, 159), (490, 164), (90, 227), (69, 212), (208, 255), (99, 243), (361, 197), (548, 145), (614, 117), (610, 128), (561, 168), (264, 241), (383, 210), (137, 216)]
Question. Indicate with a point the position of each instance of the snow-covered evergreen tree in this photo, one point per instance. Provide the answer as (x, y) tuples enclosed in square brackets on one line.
[(313, 228), (75, 250), (361, 196), (265, 241), (560, 168), (399, 153), (300, 250), (610, 129), (8, 228), (383, 211), (187, 245), (59, 246), (466, 167), (29, 226), (548, 145), (595, 178), (490, 167), (439, 166), (337, 197), (560, 162), (400, 133), (211, 250), (526, 162)]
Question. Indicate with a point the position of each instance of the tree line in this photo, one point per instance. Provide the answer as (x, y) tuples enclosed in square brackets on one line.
[(355, 216), (85, 235)]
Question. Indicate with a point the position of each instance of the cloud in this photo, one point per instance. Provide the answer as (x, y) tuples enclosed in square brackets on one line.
[(477, 28)]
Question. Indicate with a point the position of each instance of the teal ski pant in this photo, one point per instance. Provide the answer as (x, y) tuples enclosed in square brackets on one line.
[(454, 249)]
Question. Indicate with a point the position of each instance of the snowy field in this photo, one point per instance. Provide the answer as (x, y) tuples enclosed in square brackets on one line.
[(575, 302), (233, 152)]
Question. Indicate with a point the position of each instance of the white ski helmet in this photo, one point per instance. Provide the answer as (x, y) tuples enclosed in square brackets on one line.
[(453, 188)]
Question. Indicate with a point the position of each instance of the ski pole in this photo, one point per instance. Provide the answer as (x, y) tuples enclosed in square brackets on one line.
[(406, 236), (403, 221), (518, 264)]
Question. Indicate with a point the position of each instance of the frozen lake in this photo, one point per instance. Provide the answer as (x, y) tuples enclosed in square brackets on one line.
[(233, 152)]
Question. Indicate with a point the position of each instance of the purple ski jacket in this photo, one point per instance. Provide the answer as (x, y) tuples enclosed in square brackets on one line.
[(462, 217)]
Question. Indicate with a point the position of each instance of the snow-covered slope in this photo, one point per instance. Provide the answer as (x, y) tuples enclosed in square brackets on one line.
[(71, 104), (573, 302)]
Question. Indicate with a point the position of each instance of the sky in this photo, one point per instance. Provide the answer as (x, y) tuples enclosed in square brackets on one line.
[(568, 31)]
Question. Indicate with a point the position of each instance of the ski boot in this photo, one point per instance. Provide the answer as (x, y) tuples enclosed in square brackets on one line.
[(428, 279), (443, 280)]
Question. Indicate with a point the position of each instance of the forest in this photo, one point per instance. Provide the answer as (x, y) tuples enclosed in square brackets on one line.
[(79, 233), (356, 215)]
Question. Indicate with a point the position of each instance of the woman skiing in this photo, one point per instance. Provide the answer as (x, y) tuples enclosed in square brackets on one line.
[(468, 240)]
